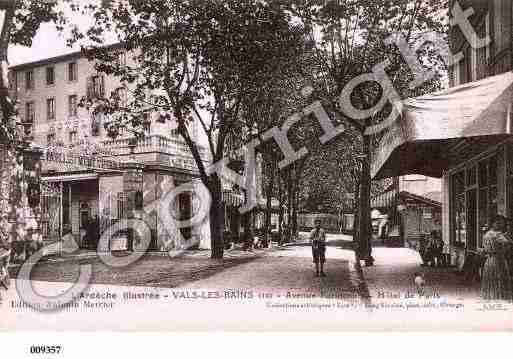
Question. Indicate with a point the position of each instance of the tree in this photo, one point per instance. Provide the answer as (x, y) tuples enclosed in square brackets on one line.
[(19, 22), (348, 39), (323, 186), (193, 60)]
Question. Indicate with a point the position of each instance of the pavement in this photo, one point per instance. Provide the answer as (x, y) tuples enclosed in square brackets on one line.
[(394, 271), (271, 289), (277, 268)]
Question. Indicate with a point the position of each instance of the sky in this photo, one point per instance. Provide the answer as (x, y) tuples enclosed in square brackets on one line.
[(49, 42)]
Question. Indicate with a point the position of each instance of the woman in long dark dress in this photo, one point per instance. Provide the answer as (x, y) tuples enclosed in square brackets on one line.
[(496, 283)]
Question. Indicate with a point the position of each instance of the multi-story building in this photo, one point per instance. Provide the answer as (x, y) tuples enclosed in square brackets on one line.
[(463, 134), (90, 179)]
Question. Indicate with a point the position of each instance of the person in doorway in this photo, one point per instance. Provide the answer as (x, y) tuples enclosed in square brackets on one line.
[(446, 253), (318, 240), (496, 280), (93, 233), (423, 248), (248, 239), (437, 246), (383, 229)]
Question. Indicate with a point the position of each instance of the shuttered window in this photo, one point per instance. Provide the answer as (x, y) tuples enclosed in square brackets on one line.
[(30, 113), (50, 109), (50, 76), (72, 72)]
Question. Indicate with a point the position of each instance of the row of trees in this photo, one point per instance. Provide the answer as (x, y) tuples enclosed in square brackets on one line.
[(243, 65)]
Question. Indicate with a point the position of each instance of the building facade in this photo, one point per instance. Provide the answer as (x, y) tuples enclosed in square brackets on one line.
[(90, 180), (409, 209), (463, 134), (478, 183)]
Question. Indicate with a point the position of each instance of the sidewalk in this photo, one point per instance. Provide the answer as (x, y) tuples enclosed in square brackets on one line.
[(394, 271), (152, 270)]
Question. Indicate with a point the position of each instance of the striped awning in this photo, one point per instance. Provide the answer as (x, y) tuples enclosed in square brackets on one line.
[(421, 140), (71, 177)]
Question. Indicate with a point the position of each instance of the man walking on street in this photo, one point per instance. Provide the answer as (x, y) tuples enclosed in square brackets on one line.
[(318, 239)]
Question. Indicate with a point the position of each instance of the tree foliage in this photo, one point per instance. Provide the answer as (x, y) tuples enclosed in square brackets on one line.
[(347, 39), (193, 60)]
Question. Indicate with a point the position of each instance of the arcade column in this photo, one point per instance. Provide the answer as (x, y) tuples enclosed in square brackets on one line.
[(133, 187)]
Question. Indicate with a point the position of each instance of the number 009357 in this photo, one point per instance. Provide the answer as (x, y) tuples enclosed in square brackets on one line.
[(45, 349)]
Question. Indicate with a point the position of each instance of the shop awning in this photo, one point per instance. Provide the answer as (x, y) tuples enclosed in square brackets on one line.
[(71, 177), (420, 141)]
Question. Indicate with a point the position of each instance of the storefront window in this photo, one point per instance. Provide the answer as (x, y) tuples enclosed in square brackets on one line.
[(459, 212), (474, 195), (487, 194), (460, 223), (483, 211), (471, 176)]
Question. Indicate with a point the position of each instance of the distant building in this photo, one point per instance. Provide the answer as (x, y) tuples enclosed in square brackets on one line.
[(407, 210)]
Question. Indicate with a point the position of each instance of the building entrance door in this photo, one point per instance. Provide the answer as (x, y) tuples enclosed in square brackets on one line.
[(51, 211), (85, 217)]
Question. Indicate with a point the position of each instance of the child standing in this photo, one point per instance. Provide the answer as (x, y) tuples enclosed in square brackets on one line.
[(318, 239)]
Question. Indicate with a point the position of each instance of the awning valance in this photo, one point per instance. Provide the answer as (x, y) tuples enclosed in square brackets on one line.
[(419, 141), (71, 177)]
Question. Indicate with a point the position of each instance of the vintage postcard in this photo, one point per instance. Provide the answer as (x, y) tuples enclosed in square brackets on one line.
[(256, 165)]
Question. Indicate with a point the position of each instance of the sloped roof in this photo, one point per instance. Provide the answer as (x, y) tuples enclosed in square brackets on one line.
[(434, 195), (386, 199)]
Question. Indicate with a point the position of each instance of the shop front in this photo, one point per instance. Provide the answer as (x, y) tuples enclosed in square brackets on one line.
[(476, 190), (469, 144)]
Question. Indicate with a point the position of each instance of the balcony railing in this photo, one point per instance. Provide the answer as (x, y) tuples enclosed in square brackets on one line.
[(181, 156)]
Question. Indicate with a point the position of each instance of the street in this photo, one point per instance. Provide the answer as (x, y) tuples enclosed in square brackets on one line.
[(278, 268), (256, 291)]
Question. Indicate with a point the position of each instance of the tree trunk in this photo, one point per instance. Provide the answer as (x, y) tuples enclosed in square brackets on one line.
[(364, 226), (216, 218), (6, 103), (290, 203), (295, 209), (268, 209), (356, 222)]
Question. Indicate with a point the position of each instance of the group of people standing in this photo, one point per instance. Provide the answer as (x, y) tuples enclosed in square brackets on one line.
[(432, 250), (494, 259)]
